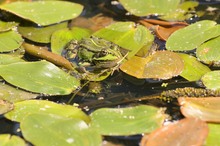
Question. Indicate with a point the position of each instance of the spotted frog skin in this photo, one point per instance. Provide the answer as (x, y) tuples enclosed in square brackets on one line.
[(94, 52)]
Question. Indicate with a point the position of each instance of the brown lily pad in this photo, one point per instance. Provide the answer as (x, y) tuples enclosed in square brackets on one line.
[(164, 32), (186, 132), (163, 29), (94, 23), (160, 65), (165, 23), (206, 109)]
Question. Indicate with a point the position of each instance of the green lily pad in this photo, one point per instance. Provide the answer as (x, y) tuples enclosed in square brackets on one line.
[(40, 77), (5, 106), (212, 80), (127, 35), (60, 38), (127, 121), (209, 53), (97, 75), (48, 129), (146, 7), (40, 34), (193, 69), (12, 94), (6, 26), (47, 107), (9, 41), (206, 109), (184, 11), (192, 36), (213, 136), (44, 12), (11, 140), (160, 65), (7, 59)]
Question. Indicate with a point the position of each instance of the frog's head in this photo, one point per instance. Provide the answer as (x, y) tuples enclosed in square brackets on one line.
[(98, 52)]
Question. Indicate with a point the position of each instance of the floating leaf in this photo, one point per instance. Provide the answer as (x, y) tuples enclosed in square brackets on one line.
[(164, 33), (12, 94), (127, 121), (206, 109), (6, 26), (213, 136), (209, 53), (5, 106), (146, 7), (11, 140), (185, 10), (212, 80), (193, 69), (127, 35), (186, 132), (40, 34), (7, 59), (10, 41), (97, 75), (160, 65), (193, 35), (93, 23), (49, 129), (41, 77), (163, 29), (47, 107), (42, 52), (61, 37), (44, 12)]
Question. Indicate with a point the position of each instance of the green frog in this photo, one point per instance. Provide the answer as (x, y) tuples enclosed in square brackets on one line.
[(95, 53)]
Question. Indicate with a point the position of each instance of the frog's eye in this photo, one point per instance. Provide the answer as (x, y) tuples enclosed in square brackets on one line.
[(103, 53)]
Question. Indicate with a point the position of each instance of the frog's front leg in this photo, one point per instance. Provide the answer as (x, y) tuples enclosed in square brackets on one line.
[(70, 51)]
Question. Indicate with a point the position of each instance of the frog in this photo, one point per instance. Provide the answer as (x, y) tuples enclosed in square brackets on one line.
[(94, 53)]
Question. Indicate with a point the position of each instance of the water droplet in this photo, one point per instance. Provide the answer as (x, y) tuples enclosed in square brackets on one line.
[(70, 140)]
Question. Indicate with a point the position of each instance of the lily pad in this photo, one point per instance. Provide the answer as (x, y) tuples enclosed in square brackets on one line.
[(7, 59), (12, 94), (97, 75), (49, 129), (6, 26), (184, 11), (127, 35), (206, 109), (192, 36), (44, 12), (60, 38), (160, 65), (193, 69), (186, 132), (11, 140), (209, 53), (127, 121), (9, 41), (213, 136), (212, 80), (40, 34), (40, 77), (47, 107), (146, 7), (5, 106)]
